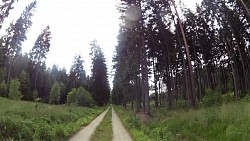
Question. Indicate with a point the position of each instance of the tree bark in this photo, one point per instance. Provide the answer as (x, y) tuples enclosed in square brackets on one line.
[(233, 70), (155, 85), (144, 67), (187, 92)]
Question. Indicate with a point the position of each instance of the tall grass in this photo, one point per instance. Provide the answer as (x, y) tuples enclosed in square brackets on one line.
[(22, 120), (229, 122)]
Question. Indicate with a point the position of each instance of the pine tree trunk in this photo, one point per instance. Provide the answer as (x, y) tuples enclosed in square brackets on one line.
[(36, 76), (144, 68), (233, 70), (142, 82), (160, 95), (138, 95), (187, 92), (8, 77), (145, 78), (192, 95), (155, 85), (132, 103)]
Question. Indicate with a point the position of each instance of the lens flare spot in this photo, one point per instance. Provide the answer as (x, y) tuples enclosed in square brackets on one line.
[(133, 13)]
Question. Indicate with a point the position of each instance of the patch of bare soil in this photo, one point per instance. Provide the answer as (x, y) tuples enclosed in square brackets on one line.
[(143, 117)]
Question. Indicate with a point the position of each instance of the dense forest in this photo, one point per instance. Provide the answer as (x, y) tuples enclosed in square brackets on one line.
[(166, 53), (194, 57), (179, 74), (25, 76)]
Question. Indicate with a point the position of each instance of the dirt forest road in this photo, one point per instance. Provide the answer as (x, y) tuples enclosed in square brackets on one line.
[(86, 132), (119, 132)]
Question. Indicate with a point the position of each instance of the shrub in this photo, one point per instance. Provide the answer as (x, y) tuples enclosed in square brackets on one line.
[(162, 134), (55, 94), (228, 97), (84, 97), (246, 98), (71, 97), (212, 98), (14, 90), (25, 87), (15, 129), (80, 97), (35, 94)]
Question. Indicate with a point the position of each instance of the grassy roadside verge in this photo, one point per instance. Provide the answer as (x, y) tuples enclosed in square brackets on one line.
[(22, 120), (132, 124), (104, 131), (230, 122)]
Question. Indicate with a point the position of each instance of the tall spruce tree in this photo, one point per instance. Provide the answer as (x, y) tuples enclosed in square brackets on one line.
[(101, 88), (16, 34), (5, 9), (38, 54), (77, 74)]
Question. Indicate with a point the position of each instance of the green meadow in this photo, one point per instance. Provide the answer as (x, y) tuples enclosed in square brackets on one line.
[(22, 120), (229, 122)]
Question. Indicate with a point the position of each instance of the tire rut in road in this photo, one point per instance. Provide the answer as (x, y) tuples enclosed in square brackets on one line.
[(119, 132)]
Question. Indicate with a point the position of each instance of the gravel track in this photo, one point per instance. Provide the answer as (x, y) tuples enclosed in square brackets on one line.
[(85, 133), (119, 132)]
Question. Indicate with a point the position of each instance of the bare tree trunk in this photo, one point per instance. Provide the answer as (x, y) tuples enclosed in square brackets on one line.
[(192, 95), (233, 70), (132, 102), (160, 95), (144, 68), (36, 77), (187, 92), (8, 77), (155, 85), (145, 78), (142, 82), (138, 95), (245, 77)]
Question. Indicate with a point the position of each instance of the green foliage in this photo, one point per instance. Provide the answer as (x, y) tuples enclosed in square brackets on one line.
[(2, 72), (228, 97), (25, 88), (77, 74), (55, 94), (14, 93), (21, 120), (3, 89), (101, 89), (162, 134), (212, 98), (84, 97), (35, 94), (72, 96), (230, 86), (229, 122), (135, 127), (246, 98), (79, 97)]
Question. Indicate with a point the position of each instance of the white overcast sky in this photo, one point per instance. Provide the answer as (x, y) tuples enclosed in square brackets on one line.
[(74, 24)]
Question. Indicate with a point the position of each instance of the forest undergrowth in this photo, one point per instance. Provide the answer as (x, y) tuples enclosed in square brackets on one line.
[(229, 122)]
